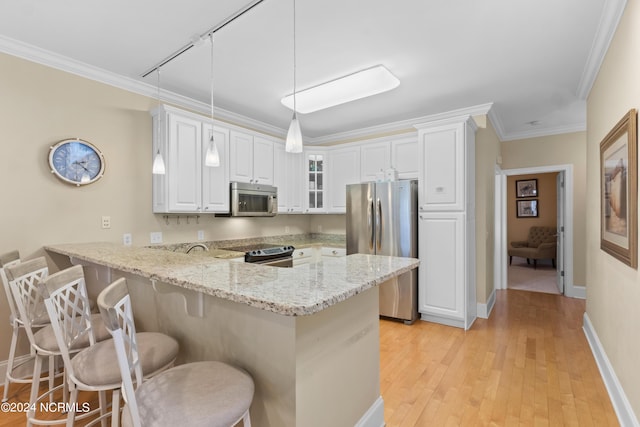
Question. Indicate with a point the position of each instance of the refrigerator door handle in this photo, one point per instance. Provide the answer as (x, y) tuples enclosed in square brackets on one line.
[(370, 223), (379, 226)]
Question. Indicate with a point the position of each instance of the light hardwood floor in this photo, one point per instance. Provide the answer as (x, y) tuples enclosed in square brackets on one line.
[(529, 364)]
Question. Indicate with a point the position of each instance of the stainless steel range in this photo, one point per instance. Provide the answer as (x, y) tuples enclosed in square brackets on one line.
[(266, 254)]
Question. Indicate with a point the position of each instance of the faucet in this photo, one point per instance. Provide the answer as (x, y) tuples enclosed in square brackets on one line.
[(197, 245)]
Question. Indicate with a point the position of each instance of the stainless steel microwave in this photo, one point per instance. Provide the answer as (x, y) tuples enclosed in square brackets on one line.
[(253, 199)]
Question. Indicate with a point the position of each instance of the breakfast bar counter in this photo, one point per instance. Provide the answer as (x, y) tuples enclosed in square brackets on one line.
[(308, 335)]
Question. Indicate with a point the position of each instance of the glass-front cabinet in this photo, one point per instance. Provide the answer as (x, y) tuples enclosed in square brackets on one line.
[(316, 172)]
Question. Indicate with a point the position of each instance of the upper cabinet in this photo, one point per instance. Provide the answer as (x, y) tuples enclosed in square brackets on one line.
[(188, 185), (400, 154), (287, 170), (250, 158), (315, 178), (444, 155), (344, 164)]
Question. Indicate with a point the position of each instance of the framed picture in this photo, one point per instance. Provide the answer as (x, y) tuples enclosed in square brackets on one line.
[(619, 191), (527, 188), (527, 208)]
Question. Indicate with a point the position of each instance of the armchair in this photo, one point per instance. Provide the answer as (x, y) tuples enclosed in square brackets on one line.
[(540, 244)]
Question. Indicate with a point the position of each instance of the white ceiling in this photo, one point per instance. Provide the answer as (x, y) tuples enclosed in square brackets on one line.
[(534, 60)]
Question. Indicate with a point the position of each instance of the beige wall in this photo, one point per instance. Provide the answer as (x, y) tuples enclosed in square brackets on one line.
[(487, 153), (613, 291), (554, 150), (518, 228), (41, 106)]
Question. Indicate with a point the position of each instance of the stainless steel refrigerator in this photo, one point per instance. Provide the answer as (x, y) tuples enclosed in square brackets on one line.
[(382, 219)]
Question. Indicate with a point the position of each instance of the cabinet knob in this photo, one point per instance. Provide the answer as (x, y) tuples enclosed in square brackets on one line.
[(256, 181), (301, 253), (334, 252)]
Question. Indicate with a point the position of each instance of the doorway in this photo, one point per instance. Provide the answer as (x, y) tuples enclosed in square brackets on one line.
[(564, 258), (532, 214)]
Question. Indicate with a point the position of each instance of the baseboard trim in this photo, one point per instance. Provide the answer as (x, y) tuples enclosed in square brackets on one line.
[(621, 404), (484, 310), (374, 417), (578, 292)]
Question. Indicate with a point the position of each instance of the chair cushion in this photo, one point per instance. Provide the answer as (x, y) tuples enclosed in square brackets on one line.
[(46, 340), (98, 364), (211, 394)]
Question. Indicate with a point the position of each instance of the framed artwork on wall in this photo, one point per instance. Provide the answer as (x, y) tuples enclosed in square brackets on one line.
[(527, 208), (619, 191), (527, 188)]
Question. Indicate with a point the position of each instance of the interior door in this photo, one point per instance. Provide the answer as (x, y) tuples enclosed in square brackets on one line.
[(560, 235)]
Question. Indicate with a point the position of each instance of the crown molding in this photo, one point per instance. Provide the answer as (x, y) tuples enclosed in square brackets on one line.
[(63, 63), (399, 126), (609, 19), (548, 131)]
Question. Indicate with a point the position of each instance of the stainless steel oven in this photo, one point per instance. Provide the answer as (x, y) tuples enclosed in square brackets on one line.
[(273, 255)]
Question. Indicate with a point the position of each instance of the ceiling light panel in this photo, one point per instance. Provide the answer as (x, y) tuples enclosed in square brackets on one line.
[(358, 85)]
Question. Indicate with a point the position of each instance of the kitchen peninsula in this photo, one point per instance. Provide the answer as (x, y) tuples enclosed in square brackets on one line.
[(308, 335)]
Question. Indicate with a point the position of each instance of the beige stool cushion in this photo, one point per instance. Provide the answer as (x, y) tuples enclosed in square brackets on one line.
[(98, 364), (200, 394), (46, 340)]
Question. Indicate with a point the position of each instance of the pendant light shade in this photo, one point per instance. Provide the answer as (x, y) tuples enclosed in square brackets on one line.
[(158, 162), (212, 158), (294, 135)]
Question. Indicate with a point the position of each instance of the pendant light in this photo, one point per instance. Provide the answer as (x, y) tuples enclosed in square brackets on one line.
[(294, 135), (212, 158), (158, 161)]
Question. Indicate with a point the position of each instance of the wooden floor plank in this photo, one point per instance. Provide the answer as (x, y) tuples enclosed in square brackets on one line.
[(528, 365)]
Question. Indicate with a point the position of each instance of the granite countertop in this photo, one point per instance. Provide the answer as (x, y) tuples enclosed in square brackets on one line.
[(298, 291)]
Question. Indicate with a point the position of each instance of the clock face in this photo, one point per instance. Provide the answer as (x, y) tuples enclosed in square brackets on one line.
[(76, 161)]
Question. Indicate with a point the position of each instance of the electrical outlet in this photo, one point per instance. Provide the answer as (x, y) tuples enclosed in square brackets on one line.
[(319, 229), (106, 222), (156, 237), (200, 234), (286, 229), (127, 239)]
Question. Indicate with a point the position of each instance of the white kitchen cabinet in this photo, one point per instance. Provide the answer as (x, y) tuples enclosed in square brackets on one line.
[(250, 158), (401, 154), (215, 180), (374, 158), (446, 241), (405, 157), (304, 256), (315, 178), (446, 292), (443, 156), (327, 252), (344, 164), (188, 186), (288, 171)]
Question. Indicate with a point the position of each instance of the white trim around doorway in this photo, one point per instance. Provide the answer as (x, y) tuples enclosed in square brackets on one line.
[(501, 225)]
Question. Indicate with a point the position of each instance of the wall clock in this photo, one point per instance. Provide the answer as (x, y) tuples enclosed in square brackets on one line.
[(76, 161)]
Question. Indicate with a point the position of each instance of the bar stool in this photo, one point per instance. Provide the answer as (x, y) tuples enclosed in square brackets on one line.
[(38, 320), (24, 281), (6, 259), (200, 394), (95, 367)]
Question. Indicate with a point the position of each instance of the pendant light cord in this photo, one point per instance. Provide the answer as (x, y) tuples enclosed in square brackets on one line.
[(294, 58), (211, 76)]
